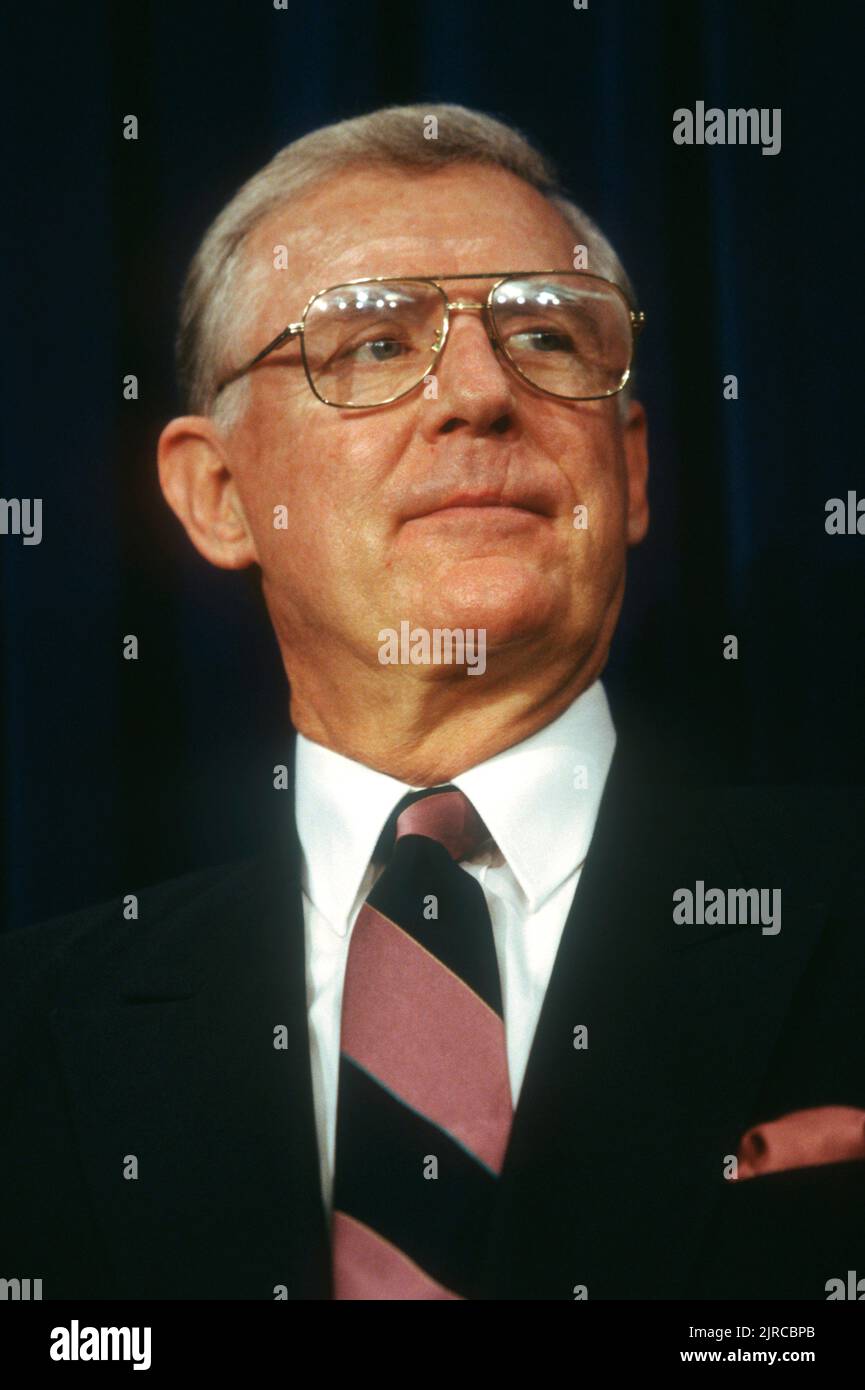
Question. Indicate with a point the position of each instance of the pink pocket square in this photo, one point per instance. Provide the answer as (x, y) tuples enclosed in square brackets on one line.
[(803, 1139)]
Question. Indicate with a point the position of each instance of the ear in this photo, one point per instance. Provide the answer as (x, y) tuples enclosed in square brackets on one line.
[(197, 482), (636, 447)]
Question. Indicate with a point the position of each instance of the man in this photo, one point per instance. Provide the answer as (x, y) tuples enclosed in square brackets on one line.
[(504, 1014)]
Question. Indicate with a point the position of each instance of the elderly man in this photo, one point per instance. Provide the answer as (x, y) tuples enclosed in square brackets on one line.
[(501, 1015)]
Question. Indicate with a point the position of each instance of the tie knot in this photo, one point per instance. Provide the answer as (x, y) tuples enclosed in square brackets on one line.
[(445, 815)]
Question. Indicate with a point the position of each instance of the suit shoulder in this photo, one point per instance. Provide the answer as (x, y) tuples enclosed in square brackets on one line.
[(29, 952), (820, 810), (816, 830)]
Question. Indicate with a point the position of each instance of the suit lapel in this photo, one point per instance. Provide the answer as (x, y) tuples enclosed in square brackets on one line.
[(173, 1061), (617, 1152)]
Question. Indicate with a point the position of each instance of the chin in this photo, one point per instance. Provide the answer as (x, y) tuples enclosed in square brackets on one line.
[(509, 601)]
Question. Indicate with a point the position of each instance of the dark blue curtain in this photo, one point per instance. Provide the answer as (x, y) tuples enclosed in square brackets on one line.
[(115, 773)]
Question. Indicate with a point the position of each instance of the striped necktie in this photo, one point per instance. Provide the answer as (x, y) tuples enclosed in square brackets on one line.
[(424, 1106)]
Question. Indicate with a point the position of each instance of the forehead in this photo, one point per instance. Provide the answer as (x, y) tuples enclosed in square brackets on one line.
[(459, 219)]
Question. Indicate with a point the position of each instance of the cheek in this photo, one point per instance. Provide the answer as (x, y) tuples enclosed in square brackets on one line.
[(341, 475), (596, 484), (607, 508), (363, 452), (292, 466), (597, 524), (314, 488)]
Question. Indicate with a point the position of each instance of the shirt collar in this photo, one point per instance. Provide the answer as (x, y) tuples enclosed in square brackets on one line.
[(539, 799)]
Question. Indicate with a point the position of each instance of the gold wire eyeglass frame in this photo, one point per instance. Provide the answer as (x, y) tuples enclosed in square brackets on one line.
[(636, 318)]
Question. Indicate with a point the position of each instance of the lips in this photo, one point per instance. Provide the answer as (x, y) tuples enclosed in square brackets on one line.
[(464, 500)]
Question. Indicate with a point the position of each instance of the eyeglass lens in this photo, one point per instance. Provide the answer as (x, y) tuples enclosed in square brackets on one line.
[(368, 343)]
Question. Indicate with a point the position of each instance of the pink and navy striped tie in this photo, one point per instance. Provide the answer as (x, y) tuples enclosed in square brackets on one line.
[(424, 1106)]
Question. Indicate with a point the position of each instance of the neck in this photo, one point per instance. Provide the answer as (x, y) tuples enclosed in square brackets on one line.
[(425, 731)]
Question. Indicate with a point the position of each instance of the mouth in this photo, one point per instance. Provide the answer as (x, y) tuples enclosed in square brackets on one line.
[(468, 503)]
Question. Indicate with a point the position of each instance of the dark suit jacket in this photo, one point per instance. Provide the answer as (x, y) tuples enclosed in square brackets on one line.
[(154, 1038)]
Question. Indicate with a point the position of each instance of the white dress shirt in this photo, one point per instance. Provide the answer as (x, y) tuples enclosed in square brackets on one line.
[(539, 800)]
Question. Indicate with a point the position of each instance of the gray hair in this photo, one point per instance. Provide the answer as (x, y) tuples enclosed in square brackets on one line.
[(219, 277)]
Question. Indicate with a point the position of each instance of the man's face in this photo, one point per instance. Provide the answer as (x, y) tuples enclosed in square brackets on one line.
[(373, 536)]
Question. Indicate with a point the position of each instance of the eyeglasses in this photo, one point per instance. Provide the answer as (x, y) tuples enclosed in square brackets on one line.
[(369, 342)]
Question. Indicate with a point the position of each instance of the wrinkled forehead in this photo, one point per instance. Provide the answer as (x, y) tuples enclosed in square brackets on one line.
[(385, 222)]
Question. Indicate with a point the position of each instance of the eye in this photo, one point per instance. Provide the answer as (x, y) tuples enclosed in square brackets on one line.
[(370, 350), (378, 350), (541, 340)]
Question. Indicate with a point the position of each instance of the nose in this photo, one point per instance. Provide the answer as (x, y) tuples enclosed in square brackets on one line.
[(474, 389)]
